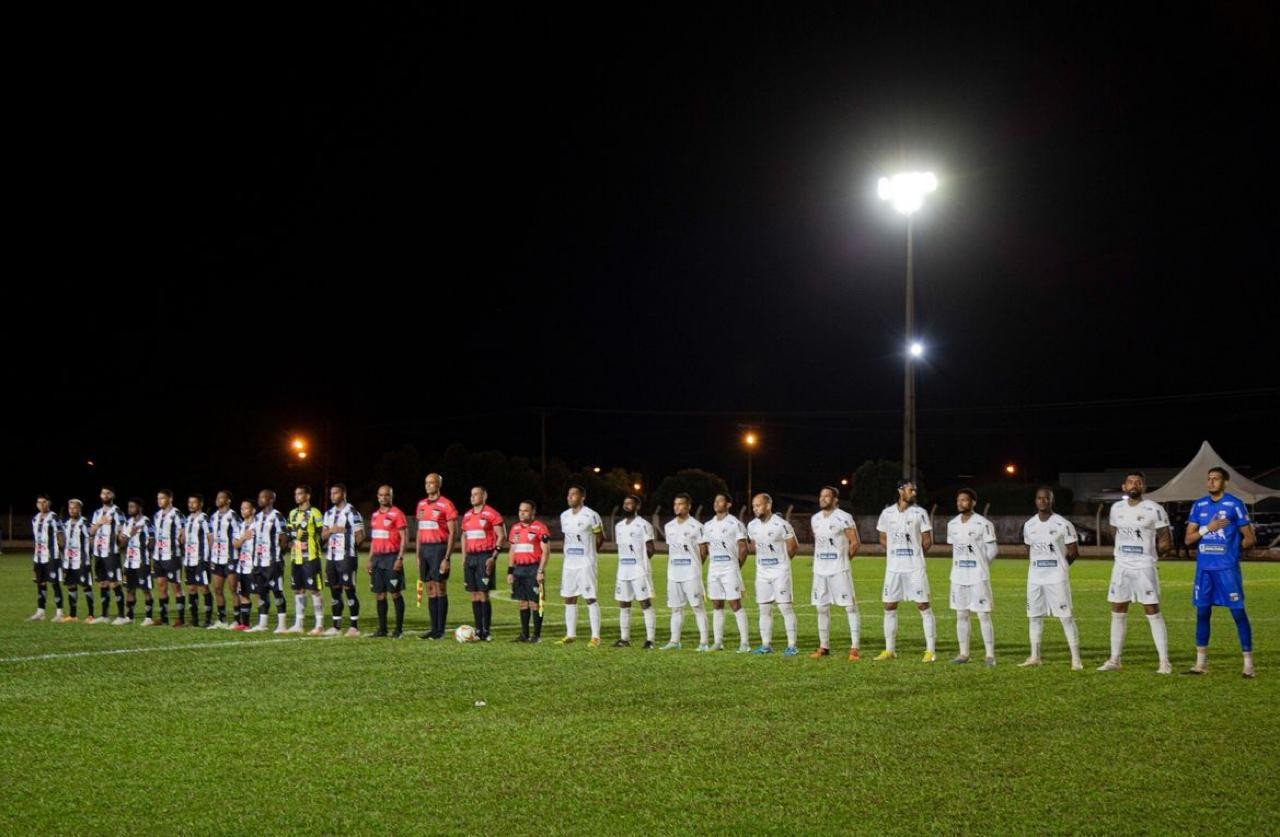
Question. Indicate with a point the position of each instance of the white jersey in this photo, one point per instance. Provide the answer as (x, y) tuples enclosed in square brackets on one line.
[(45, 529), (222, 531), (343, 523), (137, 549), (268, 526), (195, 540), (244, 553), (722, 535), (1136, 529), (76, 554), (971, 548), (1047, 544), (633, 537), (830, 543), (904, 552), (684, 557), (168, 523), (580, 532), (770, 538), (110, 522)]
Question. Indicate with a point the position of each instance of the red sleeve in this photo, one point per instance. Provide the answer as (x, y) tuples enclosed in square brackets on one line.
[(543, 532), (450, 510), (401, 521), (493, 516), (420, 510)]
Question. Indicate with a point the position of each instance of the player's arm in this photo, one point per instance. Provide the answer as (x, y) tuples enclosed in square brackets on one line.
[(650, 547), (1248, 538), (599, 530), (926, 540), (793, 546), (499, 532), (851, 534), (1164, 542), (742, 552), (357, 531), (403, 526), (704, 549)]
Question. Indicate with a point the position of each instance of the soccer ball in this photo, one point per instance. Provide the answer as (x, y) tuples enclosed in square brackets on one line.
[(465, 633)]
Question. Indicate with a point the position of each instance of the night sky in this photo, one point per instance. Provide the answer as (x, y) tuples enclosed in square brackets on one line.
[(657, 225)]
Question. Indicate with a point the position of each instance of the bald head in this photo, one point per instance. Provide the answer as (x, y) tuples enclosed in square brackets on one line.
[(433, 483), (762, 506)]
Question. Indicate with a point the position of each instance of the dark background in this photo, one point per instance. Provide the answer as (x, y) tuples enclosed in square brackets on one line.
[(426, 227)]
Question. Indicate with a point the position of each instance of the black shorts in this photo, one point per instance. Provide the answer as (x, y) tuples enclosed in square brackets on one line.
[(430, 556), (197, 575), (221, 570), (387, 580), (341, 573), (245, 584), (78, 577), (473, 573), (47, 573), (137, 578), (171, 570), (306, 576), (106, 568), (524, 583), (267, 579)]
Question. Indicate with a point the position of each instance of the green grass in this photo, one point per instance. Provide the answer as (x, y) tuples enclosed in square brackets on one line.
[(244, 734)]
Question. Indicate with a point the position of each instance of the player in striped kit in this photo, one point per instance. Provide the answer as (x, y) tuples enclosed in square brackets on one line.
[(46, 565), (166, 556), (222, 573), (973, 548), (685, 555), (270, 536), (305, 524), (243, 540), (724, 540), (76, 561), (774, 543), (195, 560), (835, 541), (105, 531), (342, 534), (136, 536), (634, 582)]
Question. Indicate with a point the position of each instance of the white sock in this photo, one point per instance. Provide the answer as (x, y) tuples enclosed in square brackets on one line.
[(962, 631), (677, 622), (317, 605), (650, 624), (299, 608), (700, 617), (988, 634), (280, 617), (1160, 634), (1073, 636), (1037, 633), (824, 626), (717, 625), (1202, 658), (766, 624), (930, 630), (891, 630), (624, 623), (789, 622), (855, 626), (262, 620), (571, 620), (593, 616), (1119, 622), (744, 635)]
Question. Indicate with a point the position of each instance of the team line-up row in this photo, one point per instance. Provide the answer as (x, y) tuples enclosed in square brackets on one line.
[(244, 552)]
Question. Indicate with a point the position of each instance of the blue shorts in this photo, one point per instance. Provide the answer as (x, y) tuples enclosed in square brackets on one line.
[(1222, 588)]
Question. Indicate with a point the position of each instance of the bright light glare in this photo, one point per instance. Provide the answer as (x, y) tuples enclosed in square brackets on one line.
[(906, 191), (916, 349)]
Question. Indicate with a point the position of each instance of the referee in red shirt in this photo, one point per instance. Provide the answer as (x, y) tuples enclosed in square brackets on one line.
[(482, 533), (526, 570), (386, 559)]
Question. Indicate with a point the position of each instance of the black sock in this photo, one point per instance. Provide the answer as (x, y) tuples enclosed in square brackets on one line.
[(57, 594), (444, 615), (222, 613), (336, 603), (382, 616), (280, 611), (73, 599), (477, 615), (105, 593), (537, 623), (208, 609), (164, 611), (88, 599), (264, 608), (119, 602), (488, 616), (524, 622), (130, 610), (42, 596), (434, 607), (353, 608), (182, 607), (151, 606), (399, 614)]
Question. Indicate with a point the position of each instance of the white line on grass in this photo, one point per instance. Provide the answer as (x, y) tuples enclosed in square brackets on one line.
[(146, 650)]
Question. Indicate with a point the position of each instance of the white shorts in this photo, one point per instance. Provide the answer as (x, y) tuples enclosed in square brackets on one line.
[(680, 593), (1049, 599), (975, 597), (634, 589), (1130, 585), (726, 587), (910, 587), (833, 589), (578, 581), (773, 588)]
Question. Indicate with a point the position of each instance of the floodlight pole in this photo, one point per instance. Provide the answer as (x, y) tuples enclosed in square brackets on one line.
[(908, 378)]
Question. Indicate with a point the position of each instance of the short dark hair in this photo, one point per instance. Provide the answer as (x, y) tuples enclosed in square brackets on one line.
[(635, 497), (1223, 471), (251, 503), (199, 498), (968, 492), (532, 505), (726, 497), (44, 497), (903, 483), (684, 496), (342, 487), (830, 488), (137, 502), (1135, 473), (578, 488), (110, 488), (166, 492), (227, 492), (304, 488)]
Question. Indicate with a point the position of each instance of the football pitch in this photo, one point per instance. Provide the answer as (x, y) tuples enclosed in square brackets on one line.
[(126, 730)]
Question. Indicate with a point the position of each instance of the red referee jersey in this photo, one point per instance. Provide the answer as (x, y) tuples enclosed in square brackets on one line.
[(527, 541), (478, 527), (385, 530), (433, 519)]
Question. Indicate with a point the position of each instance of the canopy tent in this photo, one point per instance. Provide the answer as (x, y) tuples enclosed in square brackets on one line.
[(1189, 483)]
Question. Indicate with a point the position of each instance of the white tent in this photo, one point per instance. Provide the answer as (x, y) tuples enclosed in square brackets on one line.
[(1189, 483)]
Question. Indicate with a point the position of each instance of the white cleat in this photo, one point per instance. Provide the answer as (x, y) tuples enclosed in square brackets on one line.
[(121, 620), (1110, 665), (316, 631), (1030, 662), (1076, 665), (744, 649), (148, 622), (1166, 667), (294, 629), (352, 632), (280, 629), (703, 647), (256, 629), (214, 626), (719, 646), (58, 618), (332, 632), (38, 616)]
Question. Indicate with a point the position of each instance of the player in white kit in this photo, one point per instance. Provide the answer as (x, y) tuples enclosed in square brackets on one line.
[(1141, 530), (1051, 549), (634, 538), (973, 548), (724, 543), (583, 532), (684, 537), (774, 543), (906, 533), (835, 541)]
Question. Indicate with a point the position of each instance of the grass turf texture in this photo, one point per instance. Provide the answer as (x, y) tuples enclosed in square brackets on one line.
[(230, 733)]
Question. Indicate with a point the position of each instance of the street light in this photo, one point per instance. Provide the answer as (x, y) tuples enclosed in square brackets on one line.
[(1011, 469), (299, 446), (905, 192), (750, 440), (635, 486)]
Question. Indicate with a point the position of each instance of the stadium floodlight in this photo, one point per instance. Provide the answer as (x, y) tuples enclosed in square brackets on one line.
[(906, 191), (916, 349), (1011, 469)]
